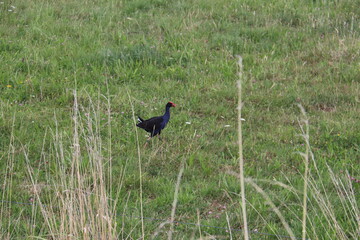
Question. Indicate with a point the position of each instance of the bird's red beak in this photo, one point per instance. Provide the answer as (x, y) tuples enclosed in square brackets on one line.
[(173, 104)]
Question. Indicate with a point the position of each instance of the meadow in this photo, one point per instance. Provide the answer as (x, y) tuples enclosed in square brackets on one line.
[(75, 75)]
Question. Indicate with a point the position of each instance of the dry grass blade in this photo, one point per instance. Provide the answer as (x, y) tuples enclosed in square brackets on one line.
[(199, 223), (306, 174), (173, 209), (158, 229), (241, 159), (229, 226), (276, 210), (176, 193)]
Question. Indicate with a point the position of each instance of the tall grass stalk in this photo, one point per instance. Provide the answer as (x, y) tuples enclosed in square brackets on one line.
[(199, 223), (305, 134), (229, 226), (140, 167), (176, 193), (108, 108), (241, 158)]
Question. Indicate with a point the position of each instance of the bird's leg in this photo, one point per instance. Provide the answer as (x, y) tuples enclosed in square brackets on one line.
[(147, 141), (146, 144)]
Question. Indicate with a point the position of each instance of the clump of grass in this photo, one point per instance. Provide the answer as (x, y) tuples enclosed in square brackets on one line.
[(343, 225), (320, 200), (80, 205)]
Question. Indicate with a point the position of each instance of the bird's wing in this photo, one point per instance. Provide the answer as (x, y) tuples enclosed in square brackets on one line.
[(151, 124), (155, 121)]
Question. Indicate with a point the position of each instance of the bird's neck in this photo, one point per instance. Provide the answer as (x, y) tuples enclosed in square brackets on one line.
[(167, 113)]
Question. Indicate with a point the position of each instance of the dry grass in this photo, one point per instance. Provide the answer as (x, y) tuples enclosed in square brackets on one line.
[(80, 206), (315, 192), (240, 144), (305, 135)]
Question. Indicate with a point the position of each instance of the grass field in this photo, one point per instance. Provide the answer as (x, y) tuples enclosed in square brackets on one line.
[(75, 74)]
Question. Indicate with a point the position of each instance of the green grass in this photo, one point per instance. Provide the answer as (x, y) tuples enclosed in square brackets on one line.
[(150, 52)]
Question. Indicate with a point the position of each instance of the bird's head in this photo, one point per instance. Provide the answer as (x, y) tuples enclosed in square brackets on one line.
[(170, 104)]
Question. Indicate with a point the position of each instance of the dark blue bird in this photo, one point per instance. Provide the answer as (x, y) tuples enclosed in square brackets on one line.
[(154, 125)]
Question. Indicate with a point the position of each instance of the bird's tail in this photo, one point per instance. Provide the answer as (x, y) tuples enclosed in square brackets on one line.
[(140, 120)]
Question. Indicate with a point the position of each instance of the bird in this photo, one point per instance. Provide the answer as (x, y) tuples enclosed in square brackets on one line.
[(154, 125)]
